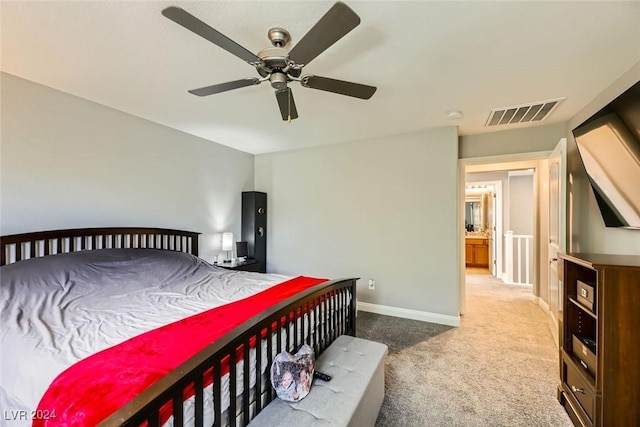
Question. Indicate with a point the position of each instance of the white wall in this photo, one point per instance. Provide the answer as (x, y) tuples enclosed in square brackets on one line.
[(70, 163), (586, 230), (382, 209)]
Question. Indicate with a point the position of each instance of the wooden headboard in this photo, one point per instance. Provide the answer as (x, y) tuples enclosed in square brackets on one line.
[(18, 247)]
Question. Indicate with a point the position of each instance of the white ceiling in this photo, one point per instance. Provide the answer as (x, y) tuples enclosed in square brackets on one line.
[(426, 58)]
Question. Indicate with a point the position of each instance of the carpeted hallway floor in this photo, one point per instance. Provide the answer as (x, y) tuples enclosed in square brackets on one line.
[(499, 368)]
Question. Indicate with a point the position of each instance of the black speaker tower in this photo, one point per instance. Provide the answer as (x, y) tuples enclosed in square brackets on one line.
[(254, 226)]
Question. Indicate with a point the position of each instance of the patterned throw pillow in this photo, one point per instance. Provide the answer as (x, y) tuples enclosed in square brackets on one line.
[(291, 375)]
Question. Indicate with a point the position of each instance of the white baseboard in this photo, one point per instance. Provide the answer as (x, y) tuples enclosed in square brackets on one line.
[(406, 313), (543, 305)]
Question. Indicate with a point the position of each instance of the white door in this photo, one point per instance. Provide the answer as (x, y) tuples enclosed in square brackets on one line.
[(557, 227), (491, 222)]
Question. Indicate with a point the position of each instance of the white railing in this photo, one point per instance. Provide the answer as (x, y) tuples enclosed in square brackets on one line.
[(515, 256)]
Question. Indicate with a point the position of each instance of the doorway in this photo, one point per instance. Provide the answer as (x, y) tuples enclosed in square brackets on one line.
[(483, 225), (533, 162)]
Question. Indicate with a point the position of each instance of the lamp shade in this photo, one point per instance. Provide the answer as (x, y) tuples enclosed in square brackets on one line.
[(227, 241)]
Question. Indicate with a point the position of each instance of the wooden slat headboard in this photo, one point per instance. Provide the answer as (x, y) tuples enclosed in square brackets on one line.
[(18, 247)]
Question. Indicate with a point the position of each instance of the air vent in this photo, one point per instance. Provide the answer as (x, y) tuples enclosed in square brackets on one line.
[(523, 113)]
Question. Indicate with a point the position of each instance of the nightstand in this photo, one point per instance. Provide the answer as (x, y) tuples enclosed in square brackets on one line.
[(248, 265)]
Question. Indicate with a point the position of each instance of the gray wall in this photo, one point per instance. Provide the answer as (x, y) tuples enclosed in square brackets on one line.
[(520, 200), (521, 221), (382, 209), (513, 141), (69, 163), (586, 230)]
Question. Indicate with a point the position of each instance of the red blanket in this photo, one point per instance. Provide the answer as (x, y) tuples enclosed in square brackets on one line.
[(95, 387)]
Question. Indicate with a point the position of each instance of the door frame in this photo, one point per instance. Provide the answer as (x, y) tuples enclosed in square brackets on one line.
[(497, 243), (558, 154), (487, 164)]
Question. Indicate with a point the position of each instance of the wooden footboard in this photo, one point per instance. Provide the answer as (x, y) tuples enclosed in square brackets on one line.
[(317, 317)]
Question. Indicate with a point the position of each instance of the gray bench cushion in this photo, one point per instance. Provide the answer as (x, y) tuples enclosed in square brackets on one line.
[(352, 398)]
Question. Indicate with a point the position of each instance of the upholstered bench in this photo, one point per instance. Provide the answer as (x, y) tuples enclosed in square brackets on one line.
[(353, 396)]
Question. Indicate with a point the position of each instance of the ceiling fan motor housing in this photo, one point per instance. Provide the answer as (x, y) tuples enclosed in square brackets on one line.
[(278, 81), (273, 58)]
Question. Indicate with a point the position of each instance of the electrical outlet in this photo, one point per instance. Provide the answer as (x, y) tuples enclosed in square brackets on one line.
[(372, 284)]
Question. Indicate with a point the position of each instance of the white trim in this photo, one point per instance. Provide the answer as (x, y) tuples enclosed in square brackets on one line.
[(553, 324), (521, 172), (504, 158), (553, 328), (462, 286), (543, 305), (406, 313)]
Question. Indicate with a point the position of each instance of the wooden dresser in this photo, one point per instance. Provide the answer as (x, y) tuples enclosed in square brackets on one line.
[(600, 339)]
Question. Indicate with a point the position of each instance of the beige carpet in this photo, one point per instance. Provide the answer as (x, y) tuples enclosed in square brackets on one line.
[(499, 368)]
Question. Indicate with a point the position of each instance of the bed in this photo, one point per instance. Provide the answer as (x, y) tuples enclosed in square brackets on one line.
[(143, 283)]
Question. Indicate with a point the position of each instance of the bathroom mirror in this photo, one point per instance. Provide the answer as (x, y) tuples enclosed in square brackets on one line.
[(473, 214)]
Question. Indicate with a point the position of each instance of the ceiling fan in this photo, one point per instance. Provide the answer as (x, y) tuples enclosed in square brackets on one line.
[(280, 64)]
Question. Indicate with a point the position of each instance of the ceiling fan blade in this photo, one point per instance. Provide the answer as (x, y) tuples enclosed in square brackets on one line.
[(191, 23), (356, 90), (334, 25), (286, 104), (223, 87)]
